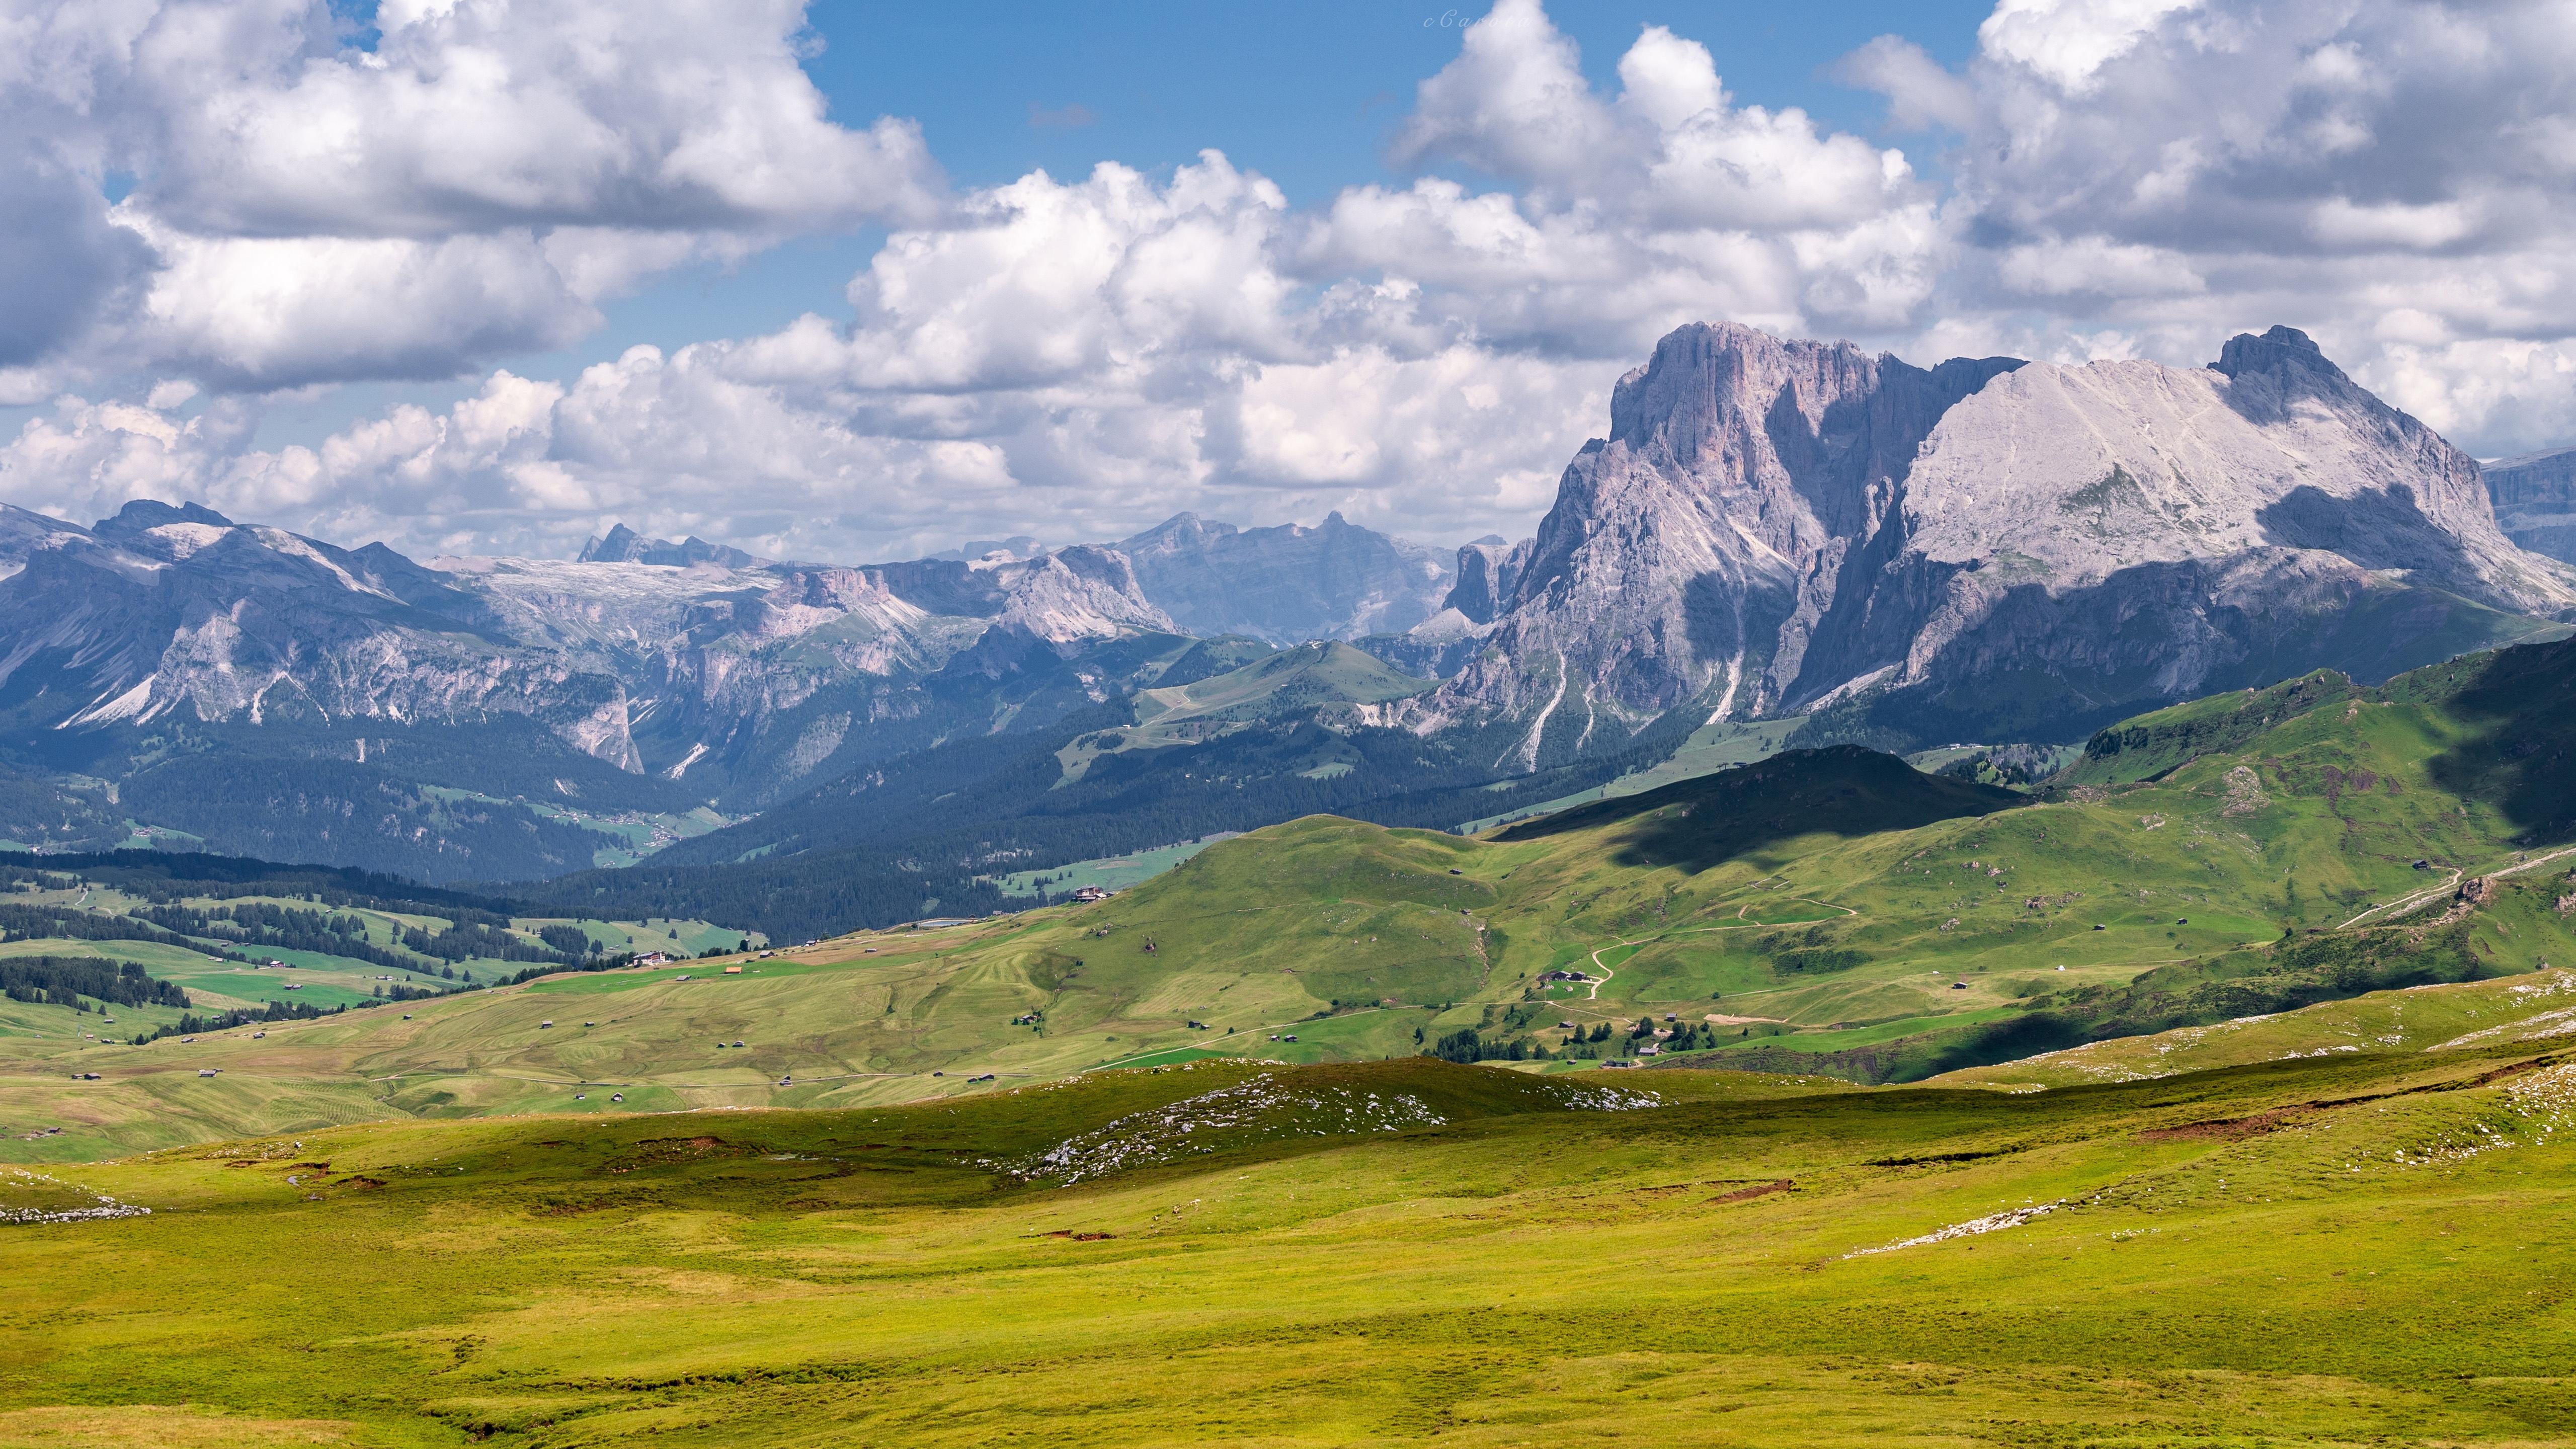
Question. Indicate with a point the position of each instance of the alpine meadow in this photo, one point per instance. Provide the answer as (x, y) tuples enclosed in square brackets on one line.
[(808, 725)]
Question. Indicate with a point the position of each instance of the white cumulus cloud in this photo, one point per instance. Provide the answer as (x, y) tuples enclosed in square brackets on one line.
[(473, 182), (1075, 356)]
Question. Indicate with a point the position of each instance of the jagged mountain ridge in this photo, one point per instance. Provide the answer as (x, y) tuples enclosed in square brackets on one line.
[(336, 685), (2006, 550), (755, 679), (624, 545), (280, 695), (162, 609), (1772, 526), (1690, 552)]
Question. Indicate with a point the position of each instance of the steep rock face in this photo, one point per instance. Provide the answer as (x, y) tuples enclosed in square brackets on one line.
[(2088, 470), (1487, 575), (1287, 584), (166, 614), (1489, 570), (1073, 594), (1690, 553), (2535, 501), (2120, 533), (1775, 525)]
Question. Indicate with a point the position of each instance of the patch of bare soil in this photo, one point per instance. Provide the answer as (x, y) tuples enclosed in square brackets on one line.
[(2229, 1129), (671, 1151)]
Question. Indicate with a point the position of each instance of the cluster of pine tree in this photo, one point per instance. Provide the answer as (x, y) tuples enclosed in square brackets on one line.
[(192, 1024), (1470, 1045), (64, 980)]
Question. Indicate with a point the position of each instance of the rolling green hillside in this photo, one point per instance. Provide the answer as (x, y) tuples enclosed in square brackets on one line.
[(1826, 911), (2367, 1248)]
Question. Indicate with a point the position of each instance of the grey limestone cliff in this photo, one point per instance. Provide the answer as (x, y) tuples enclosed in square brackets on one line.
[(1691, 552), (1772, 526), (2535, 501)]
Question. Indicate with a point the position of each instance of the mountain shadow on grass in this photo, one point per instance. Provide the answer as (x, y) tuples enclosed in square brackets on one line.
[(2520, 757), (1842, 790)]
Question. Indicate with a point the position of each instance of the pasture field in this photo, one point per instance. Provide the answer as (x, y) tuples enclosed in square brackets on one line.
[(1111, 873), (2364, 1248)]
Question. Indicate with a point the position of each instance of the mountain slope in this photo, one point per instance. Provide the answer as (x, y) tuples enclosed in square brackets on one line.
[(2098, 537), (1989, 549), (1822, 912), (1330, 683), (1689, 553), (1842, 790), (505, 719)]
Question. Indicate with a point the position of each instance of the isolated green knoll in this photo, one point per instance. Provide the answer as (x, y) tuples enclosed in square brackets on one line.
[(2362, 1249)]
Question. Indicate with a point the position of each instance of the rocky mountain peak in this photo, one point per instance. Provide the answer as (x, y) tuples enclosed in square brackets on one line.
[(2280, 350), (1778, 523), (624, 545), (144, 514), (1691, 554), (1287, 583), (1489, 576)]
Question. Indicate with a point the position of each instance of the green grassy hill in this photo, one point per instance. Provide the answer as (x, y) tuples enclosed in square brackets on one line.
[(2364, 1248), (1826, 911), (2538, 1009)]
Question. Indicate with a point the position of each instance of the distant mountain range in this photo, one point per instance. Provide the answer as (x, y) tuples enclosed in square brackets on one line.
[(1989, 549), (508, 718), (1986, 550)]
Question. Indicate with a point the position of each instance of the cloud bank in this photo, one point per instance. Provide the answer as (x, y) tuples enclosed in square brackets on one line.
[(1074, 357)]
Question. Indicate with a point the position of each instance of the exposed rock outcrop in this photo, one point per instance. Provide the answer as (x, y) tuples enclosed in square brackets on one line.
[(164, 611), (1489, 571), (1774, 526), (2535, 501), (1691, 552), (176, 614), (624, 545)]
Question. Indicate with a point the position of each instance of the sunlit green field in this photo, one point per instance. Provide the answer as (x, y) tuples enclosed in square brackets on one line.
[(1115, 872), (2361, 1249)]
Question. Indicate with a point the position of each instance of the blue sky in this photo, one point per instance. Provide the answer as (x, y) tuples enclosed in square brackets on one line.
[(1306, 94)]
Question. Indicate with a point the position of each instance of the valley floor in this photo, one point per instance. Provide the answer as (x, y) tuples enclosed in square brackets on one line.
[(2367, 1248)]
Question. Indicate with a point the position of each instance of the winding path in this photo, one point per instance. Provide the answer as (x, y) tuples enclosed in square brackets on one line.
[(2414, 899), (1744, 925)]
